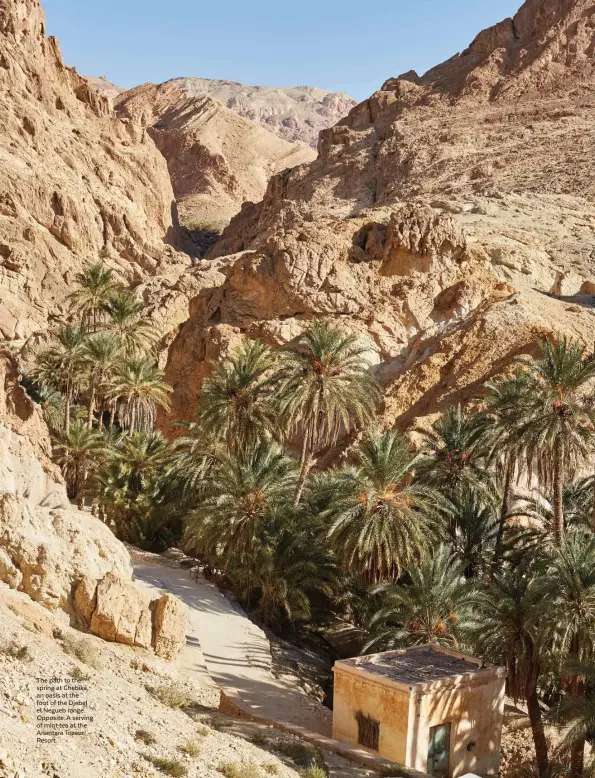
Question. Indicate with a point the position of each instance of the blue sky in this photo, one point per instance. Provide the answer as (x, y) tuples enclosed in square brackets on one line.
[(341, 45)]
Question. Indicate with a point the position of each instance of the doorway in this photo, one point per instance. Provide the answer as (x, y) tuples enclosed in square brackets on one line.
[(439, 751)]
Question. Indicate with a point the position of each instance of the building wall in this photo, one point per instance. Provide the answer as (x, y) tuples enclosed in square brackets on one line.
[(389, 706), (475, 713)]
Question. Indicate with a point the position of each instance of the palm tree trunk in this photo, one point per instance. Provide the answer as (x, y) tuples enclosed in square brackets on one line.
[(91, 407), (306, 461), (536, 722), (67, 414), (505, 508), (558, 494), (100, 417), (112, 416), (577, 758)]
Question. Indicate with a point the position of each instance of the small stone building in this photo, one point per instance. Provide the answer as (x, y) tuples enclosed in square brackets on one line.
[(427, 708)]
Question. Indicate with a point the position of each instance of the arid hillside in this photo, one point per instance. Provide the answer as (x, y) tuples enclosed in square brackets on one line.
[(217, 160), (76, 181), (448, 221), (295, 114)]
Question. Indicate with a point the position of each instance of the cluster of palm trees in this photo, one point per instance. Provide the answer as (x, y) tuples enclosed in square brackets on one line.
[(475, 532), (98, 381)]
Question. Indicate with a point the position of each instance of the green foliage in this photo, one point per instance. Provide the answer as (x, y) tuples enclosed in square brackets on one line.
[(430, 606), (380, 518), (236, 402)]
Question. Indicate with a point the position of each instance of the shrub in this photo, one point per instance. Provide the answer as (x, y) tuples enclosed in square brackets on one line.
[(168, 766), (203, 731), (302, 754), (172, 696), (216, 723), (19, 652), (260, 739), (191, 748), (236, 770), (82, 650), (144, 736), (79, 675), (312, 772), (271, 769)]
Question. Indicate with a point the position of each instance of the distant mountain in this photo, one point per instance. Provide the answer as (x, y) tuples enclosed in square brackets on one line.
[(104, 86), (293, 113), (217, 160)]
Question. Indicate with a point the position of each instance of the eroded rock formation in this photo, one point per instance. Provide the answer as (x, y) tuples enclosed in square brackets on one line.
[(295, 114), (75, 179), (118, 611), (217, 160), (448, 221)]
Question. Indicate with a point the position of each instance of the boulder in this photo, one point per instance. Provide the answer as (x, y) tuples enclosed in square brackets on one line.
[(118, 611), (121, 613), (169, 626)]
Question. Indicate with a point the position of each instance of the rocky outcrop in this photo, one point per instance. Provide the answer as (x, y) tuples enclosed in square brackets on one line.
[(44, 550), (217, 160), (448, 222), (63, 558), (118, 611), (75, 179), (295, 114)]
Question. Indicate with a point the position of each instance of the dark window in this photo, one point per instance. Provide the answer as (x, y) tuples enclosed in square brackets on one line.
[(368, 731)]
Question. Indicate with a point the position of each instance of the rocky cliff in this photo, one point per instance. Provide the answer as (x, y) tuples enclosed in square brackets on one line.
[(295, 114), (217, 160), (75, 179), (448, 220)]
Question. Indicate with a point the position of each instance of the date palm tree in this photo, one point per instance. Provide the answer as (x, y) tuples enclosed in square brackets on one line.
[(380, 519), (324, 389), (78, 453), (454, 450), (138, 388), (287, 576), (96, 284), (504, 628), (505, 411), (578, 713), (556, 435), (567, 590), (99, 359), (471, 522), (245, 491), (236, 402), (59, 366), (124, 311), (431, 606)]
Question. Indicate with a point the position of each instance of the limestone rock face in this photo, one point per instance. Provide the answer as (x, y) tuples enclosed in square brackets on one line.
[(217, 160), (43, 551), (118, 611), (75, 179), (448, 221), (295, 114)]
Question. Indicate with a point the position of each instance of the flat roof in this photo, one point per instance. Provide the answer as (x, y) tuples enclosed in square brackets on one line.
[(418, 665)]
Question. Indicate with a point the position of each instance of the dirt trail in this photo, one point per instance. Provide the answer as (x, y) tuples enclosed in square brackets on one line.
[(234, 652)]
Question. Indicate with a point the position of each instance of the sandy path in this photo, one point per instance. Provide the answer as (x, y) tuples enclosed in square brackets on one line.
[(235, 652)]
